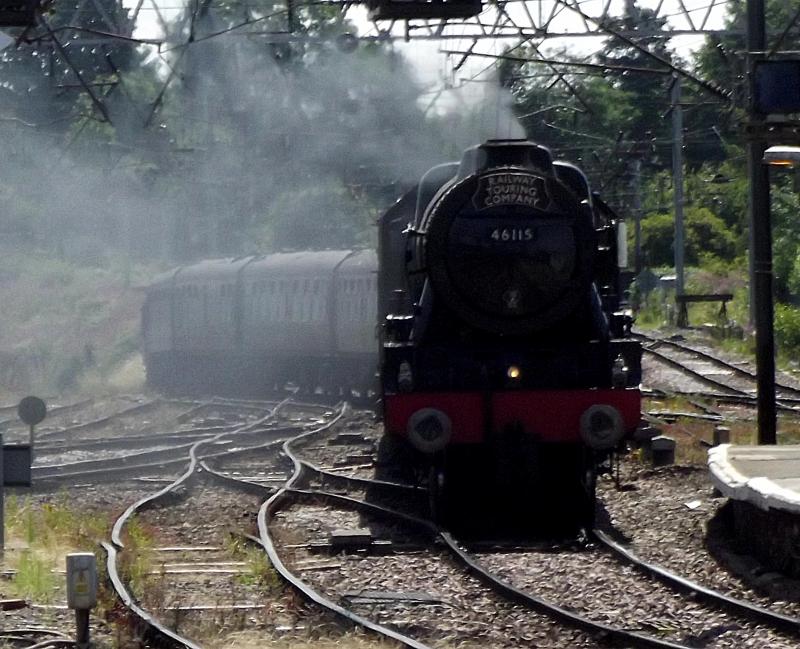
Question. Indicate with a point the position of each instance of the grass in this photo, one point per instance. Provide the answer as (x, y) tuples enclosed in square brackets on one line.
[(34, 578), (136, 562), (687, 432), (260, 570), (38, 537)]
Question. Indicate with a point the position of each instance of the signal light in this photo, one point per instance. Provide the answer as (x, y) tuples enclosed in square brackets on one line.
[(513, 373)]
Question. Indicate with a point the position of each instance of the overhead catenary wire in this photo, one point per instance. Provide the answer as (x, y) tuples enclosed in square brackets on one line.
[(707, 85), (564, 62)]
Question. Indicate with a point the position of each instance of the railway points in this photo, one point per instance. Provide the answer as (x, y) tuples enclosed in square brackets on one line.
[(338, 488)]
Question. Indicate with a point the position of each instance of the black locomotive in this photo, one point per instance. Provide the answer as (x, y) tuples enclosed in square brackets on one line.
[(504, 349)]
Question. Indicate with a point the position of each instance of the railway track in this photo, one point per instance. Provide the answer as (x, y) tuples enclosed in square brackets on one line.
[(702, 369), (205, 524), (403, 578), (96, 460), (563, 612)]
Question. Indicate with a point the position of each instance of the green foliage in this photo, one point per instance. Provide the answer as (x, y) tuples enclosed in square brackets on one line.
[(785, 209), (787, 329), (49, 530), (720, 58), (137, 560), (34, 579), (652, 312), (260, 570), (706, 237), (54, 523)]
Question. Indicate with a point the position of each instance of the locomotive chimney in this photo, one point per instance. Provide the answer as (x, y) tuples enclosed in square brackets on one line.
[(506, 153)]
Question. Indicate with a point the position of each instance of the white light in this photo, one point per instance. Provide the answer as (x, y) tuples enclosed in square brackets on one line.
[(782, 156)]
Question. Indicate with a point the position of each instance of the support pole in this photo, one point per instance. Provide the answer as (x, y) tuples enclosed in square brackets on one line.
[(761, 239), (677, 187), (82, 628), (2, 503), (636, 182)]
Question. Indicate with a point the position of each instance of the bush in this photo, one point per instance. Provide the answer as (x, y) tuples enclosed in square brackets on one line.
[(705, 237), (787, 328)]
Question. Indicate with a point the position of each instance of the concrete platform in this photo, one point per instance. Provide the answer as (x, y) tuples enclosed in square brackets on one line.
[(763, 485), (766, 476)]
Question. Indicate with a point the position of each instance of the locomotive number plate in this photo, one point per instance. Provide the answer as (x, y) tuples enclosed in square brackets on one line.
[(495, 190), (512, 234)]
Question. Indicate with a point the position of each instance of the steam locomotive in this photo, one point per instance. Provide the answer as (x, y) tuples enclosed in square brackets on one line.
[(491, 311), (505, 352)]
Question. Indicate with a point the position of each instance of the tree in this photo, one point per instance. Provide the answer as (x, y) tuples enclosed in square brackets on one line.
[(706, 238), (48, 76), (647, 92), (271, 132)]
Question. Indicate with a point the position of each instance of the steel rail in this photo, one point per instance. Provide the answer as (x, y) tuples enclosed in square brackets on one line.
[(53, 410), (172, 639), (680, 583), (102, 421), (496, 583), (129, 441), (116, 467), (255, 488), (265, 513), (694, 373), (711, 357), (742, 398), (363, 481), (155, 628), (737, 399), (552, 610), (116, 531), (187, 443)]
